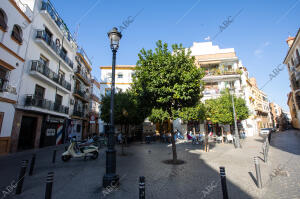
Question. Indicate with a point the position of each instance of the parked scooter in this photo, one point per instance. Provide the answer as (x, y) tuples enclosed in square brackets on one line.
[(75, 151)]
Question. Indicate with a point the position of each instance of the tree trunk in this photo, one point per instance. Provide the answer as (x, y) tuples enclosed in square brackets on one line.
[(173, 143), (222, 130), (206, 146), (194, 128)]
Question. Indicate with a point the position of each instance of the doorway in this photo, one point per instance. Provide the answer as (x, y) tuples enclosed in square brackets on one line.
[(27, 133)]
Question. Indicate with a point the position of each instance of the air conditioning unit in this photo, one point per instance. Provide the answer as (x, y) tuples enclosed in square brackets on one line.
[(72, 101)]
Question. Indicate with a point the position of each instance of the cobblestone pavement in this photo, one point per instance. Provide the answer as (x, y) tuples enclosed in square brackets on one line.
[(197, 178), (284, 181)]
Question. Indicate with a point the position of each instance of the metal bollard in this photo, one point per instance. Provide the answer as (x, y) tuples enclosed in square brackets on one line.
[(223, 182), (265, 152), (258, 174), (49, 183), (54, 156), (32, 165), (142, 188), (21, 177)]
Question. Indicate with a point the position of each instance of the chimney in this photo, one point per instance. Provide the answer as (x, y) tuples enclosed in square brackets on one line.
[(290, 41)]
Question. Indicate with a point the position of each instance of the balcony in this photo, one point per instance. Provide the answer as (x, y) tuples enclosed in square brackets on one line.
[(81, 95), (43, 72), (6, 90), (95, 98), (78, 111), (83, 76), (216, 71), (57, 21), (211, 92), (83, 55), (54, 49), (3, 83), (32, 100)]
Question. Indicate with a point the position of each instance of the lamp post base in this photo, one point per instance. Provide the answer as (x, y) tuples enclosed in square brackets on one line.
[(110, 180)]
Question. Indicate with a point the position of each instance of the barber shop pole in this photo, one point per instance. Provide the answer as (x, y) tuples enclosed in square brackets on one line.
[(59, 134)]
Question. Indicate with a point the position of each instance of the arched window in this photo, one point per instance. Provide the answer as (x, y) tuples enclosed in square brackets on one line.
[(3, 20), (17, 34)]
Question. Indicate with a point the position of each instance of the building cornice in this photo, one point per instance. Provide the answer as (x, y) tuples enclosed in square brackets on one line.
[(11, 52), (292, 48), (6, 65), (19, 10), (2, 99)]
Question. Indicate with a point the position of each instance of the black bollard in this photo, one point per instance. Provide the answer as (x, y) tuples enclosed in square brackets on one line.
[(21, 177), (258, 174), (142, 188), (49, 183), (223, 182), (54, 156), (32, 165)]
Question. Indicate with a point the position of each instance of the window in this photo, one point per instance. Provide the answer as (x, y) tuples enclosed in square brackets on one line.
[(120, 75), (229, 84), (44, 60), (63, 53), (108, 75), (3, 78), (58, 99), (61, 75), (17, 34), (292, 60), (39, 92), (42, 67), (3, 20), (48, 35)]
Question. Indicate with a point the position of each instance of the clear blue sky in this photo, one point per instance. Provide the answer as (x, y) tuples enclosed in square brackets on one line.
[(257, 34)]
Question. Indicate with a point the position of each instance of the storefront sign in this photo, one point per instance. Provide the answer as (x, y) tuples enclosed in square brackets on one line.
[(50, 132)]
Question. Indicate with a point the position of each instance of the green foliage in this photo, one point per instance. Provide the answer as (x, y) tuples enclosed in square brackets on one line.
[(167, 81), (127, 110), (193, 113), (220, 110), (158, 116)]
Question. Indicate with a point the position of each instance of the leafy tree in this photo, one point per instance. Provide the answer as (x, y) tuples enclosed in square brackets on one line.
[(193, 114), (168, 81), (220, 110), (127, 111)]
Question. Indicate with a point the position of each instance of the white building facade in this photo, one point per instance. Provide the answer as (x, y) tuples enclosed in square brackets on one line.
[(123, 81), (14, 37), (38, 64), (223, 69)]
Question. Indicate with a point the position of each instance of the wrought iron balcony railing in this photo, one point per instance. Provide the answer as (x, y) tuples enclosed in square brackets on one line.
[(79, 111), (41, 34), (46, 5), (83, 75), (38, 66), (81, 93), (32, 100)]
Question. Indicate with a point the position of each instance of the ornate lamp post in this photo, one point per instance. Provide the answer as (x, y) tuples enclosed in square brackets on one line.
[(110, 177), (236, 134)]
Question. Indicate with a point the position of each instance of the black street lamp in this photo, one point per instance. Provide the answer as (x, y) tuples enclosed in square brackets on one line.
[(111, 178)]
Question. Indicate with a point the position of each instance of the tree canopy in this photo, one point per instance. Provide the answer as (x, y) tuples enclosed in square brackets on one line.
[(220, 110), (167, 82), (127, 110)]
